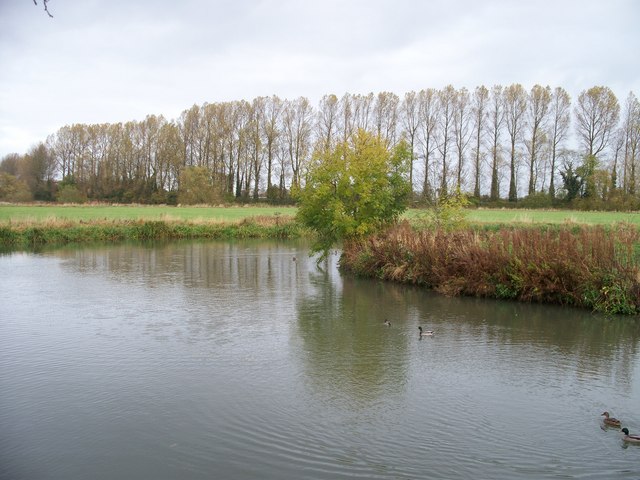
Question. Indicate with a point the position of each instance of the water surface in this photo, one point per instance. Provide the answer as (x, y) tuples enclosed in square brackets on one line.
[(244, 360)]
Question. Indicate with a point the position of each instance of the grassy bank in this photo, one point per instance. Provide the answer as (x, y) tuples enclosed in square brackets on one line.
[(536, 217), (18, 213), (29, 234), (589, 267), (583, 259)]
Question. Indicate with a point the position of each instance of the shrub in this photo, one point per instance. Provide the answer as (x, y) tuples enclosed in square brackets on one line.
[(537, 200), (13, 190), (70, 194), (448, 213)]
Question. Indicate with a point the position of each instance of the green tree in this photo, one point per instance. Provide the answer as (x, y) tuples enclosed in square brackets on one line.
[(68, 191), (354, 189), (12, 189), (587, 172), (573, 182), (196, 187)]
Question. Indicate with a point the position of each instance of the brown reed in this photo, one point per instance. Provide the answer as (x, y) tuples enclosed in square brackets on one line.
[(583, 266)]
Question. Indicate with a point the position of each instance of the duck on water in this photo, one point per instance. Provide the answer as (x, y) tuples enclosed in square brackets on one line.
[(425, 333)]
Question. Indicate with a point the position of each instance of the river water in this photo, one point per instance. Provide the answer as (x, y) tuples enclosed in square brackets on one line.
[(240, 360)]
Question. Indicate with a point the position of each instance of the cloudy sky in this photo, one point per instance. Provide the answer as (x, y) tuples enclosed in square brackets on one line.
[(117, 60)]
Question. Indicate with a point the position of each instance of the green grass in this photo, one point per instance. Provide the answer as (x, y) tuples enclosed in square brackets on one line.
[(39, 213), (75, 213), (509, 216)]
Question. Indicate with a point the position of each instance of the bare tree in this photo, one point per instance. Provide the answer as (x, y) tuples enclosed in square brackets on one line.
[(347, 120), (631, 139), (479, 112), (597, 114), (297, 133), (462, 136), (515, 104), (272, 131), (410, 117), (362, 110), (429, 112), (446, 101), (168, 158), (327, 122), (385, 113), (254, 139), (538, 112), (496, 115), (37, 171), (189, 124), (558, 130)]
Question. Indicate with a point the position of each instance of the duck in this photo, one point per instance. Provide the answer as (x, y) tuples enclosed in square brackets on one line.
[(630, 438), (612, 422), (426, 333), (387, 322)]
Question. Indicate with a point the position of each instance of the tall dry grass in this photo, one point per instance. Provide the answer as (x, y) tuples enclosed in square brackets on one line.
[(591, 267)]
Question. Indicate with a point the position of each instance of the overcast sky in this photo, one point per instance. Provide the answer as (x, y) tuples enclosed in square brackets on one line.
[(102, 61)]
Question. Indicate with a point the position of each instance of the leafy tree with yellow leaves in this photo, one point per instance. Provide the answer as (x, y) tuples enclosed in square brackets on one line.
[(354, 189)]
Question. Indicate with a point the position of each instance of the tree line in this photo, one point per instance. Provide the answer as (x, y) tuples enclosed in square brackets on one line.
[(499, 145)]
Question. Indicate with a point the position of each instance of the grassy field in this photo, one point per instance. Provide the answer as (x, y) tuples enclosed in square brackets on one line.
[(86, 213), (552, 216), (521, 216), (40, 213)]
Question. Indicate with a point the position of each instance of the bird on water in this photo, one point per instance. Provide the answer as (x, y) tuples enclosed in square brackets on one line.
[(425, 333), (608, 420), (630, 438)]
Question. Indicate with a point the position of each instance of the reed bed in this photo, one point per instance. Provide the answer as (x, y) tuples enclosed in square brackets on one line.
[(590, 267)]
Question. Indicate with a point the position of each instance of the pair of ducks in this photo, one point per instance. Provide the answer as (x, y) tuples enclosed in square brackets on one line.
[(614, 422), (425, 333)]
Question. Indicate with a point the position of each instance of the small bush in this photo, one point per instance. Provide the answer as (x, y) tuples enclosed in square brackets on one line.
[(70, 194), (537, 200)]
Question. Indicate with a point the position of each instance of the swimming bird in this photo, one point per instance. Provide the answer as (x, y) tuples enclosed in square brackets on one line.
[(387, 322), (630, 438), (612, 422), (426, 333)]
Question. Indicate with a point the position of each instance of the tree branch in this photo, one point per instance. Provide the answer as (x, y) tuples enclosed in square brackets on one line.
[(46, 7)]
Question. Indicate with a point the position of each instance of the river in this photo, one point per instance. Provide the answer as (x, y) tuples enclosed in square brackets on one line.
[(240, 360)]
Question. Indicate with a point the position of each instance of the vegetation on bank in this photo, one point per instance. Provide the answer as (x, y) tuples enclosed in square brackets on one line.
[(27, 235), (43, 212), (590, 267), (535, 259)]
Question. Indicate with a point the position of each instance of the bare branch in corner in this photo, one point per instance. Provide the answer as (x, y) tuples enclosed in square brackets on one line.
[(46, 7)]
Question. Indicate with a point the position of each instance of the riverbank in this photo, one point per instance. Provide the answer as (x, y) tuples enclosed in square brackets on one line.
[(588, 267), (29, 234)]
